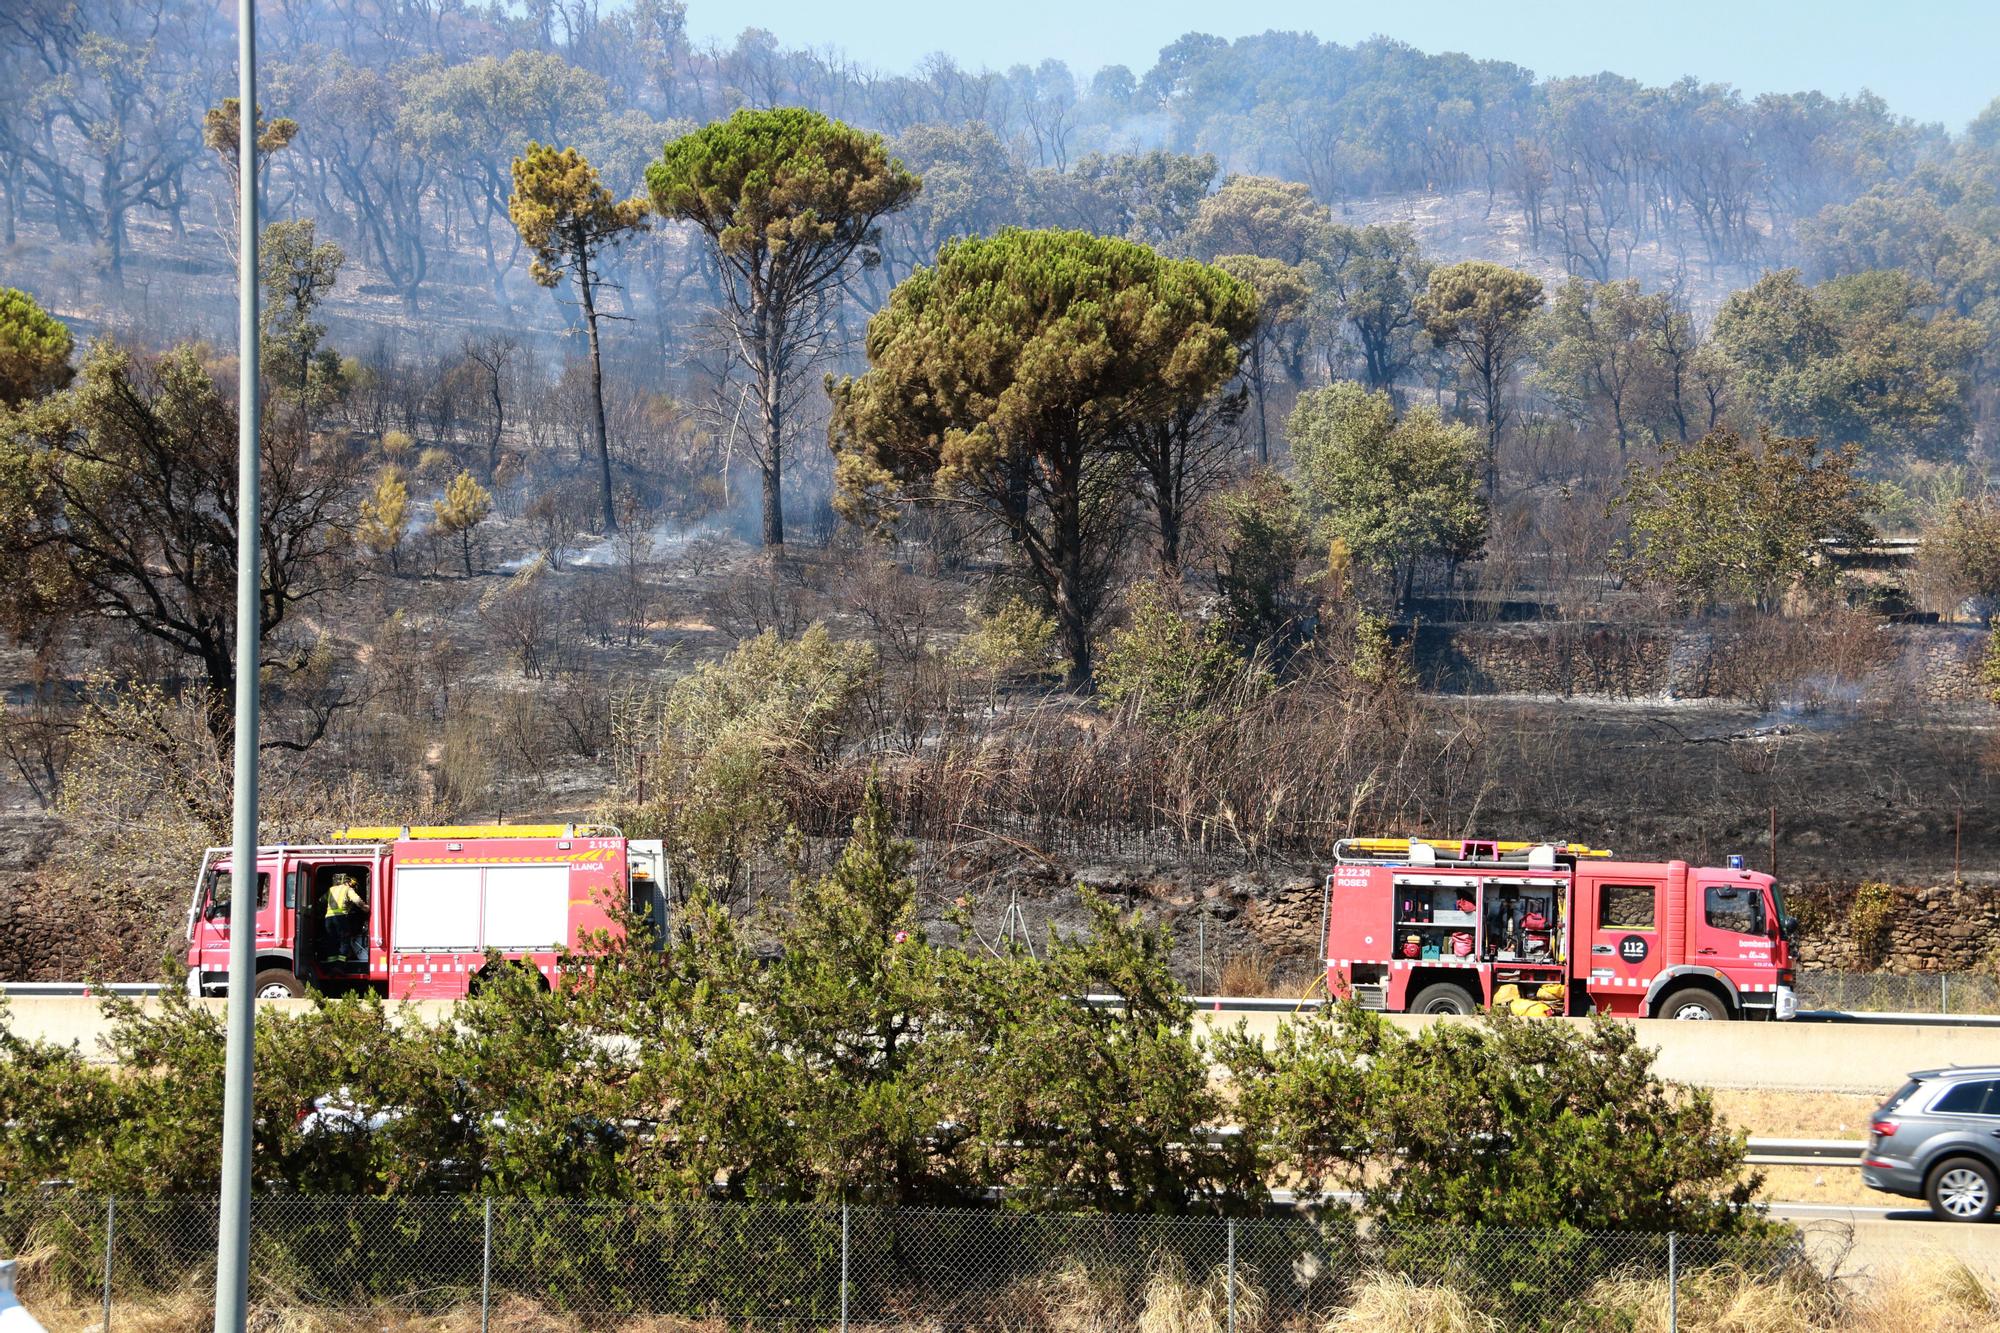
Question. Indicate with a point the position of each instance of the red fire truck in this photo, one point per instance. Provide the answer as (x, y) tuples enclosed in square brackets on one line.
[(411, 913), (1437, 926)]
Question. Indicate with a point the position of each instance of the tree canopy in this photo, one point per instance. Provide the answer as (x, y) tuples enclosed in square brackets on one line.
[(297, 271), (1397, 489), (786, 198), (1002, 377), (1258, 215), (124, 486), (1284, 302), (1375, 274), (568, 219), (1611, 355), (1863, 359), (35, 348), (1722, 521), (1482, 311), (1962, 547)]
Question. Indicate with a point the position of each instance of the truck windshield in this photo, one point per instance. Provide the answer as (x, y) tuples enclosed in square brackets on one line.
[(1738, 910), (221, 884)]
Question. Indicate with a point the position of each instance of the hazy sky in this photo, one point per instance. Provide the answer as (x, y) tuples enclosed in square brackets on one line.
[(1932, 59)]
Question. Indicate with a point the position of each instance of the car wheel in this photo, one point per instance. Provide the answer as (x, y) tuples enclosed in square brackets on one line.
[(1962, 1189), (1443, 998), (277, 983), (1697, 1006)]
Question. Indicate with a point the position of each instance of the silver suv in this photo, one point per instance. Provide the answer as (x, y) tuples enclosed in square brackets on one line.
[(1938, 1138)]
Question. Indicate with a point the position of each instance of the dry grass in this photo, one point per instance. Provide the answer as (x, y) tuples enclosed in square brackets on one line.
[(1723, 1300), (194, 1312), (1080, 1298), (1797, 1115), (1176, 1303), (1930, 1294), (1248, 973), (1939, 1294), (1389, 1301), (1805, 1115)]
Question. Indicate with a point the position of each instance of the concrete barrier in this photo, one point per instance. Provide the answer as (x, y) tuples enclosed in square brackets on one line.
[(1784, 1057), (79, 1020), (1799, 1057)]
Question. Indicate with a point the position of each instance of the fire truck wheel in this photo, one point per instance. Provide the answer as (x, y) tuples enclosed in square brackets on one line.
[(1443, 998), (487, 976), (1699, 1005), (276, 983)]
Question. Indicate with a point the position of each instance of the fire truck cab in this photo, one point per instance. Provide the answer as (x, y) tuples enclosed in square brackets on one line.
[(412, 913), (1416, 925)]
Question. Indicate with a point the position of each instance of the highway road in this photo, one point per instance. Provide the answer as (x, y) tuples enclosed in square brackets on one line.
[(1861, 1242)]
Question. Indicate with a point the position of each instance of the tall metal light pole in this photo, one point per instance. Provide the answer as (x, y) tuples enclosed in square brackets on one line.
[(232, 1245)]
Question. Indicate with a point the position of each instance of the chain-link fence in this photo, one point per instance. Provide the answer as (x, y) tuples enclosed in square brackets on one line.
[(1900, 992), (465, 1263)]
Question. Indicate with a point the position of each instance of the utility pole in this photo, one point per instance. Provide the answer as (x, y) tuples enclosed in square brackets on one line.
[(232, 1243)]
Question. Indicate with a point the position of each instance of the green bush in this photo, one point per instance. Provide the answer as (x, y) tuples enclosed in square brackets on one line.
[(1867, 917), (1518, 1124), (1268, 539), (723, 740), (1169, 668), (1016, 640), (35, 349)]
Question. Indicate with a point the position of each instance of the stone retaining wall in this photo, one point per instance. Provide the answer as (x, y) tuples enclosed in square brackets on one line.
[(1754, 660), (1929, 928)]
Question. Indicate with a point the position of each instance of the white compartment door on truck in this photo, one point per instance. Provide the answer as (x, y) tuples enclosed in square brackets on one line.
[(527, 908), (437, 909), (470, 908), (646, 865)]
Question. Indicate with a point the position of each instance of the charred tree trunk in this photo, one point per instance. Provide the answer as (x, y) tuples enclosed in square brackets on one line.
[(8, 235), (1072, 615), (1257, 381), (584, 287), (771, 390), (499, 426)]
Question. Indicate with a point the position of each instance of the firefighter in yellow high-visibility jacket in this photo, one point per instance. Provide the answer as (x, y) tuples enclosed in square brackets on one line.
[(346, 919)]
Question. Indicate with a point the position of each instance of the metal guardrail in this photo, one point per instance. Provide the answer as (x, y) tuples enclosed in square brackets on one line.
[(1223, 1004), (1901, 1019), (1807, 1152), (1280, 1004)]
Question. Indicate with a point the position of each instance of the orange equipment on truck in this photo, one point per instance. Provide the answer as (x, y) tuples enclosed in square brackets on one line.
[(1429, 926), (412, 913)]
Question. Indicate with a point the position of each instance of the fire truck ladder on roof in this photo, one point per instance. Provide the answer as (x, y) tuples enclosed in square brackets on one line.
[(1458, 851), (393, 832)]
